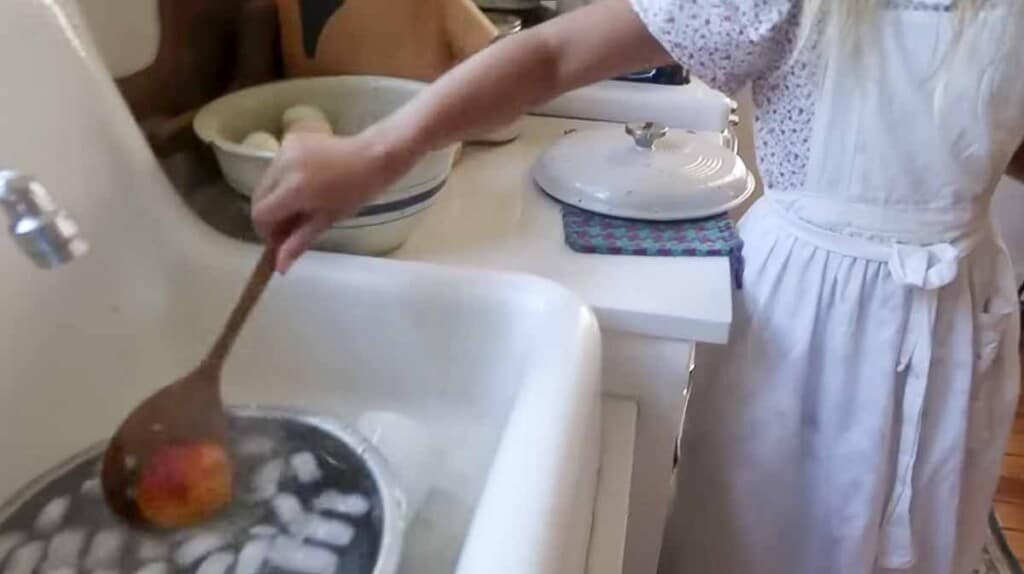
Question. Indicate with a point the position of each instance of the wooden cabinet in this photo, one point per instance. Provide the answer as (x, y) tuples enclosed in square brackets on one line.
[(210, 48), (206, 49)]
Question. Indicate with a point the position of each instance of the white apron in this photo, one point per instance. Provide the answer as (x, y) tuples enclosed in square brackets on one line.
[(857, 419)]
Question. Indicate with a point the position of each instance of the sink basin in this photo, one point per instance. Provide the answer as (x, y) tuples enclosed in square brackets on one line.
[(501, 371)]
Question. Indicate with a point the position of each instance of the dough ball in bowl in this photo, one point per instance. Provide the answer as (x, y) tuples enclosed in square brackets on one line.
[(305, 118), (262, 141), (309, 127)]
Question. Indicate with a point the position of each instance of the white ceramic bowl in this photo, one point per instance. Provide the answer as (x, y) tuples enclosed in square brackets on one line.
[(380, 227), (352, 103)]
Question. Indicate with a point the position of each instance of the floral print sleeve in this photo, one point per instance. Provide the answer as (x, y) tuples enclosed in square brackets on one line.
[(726, 43)]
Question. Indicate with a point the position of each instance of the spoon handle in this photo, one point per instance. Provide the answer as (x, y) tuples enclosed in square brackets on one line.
[(258, 281)]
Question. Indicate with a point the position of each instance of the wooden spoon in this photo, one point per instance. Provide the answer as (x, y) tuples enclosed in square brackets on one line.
[(168, 464)]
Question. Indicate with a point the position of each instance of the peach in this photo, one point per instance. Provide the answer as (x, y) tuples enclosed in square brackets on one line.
[(181, 486)]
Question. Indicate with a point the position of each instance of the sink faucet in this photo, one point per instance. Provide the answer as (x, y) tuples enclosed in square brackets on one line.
[(41, 229)]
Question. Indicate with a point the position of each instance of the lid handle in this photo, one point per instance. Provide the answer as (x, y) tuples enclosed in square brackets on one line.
[(646, 133)]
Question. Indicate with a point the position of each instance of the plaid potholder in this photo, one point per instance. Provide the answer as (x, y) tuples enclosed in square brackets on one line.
[(587, 232)]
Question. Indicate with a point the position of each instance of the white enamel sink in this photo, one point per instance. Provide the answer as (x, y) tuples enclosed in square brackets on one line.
[(500, 370)]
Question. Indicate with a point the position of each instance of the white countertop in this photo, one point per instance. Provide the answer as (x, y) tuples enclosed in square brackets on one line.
[(492, 216)]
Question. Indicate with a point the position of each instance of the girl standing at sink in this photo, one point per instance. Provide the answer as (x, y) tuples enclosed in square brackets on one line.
[(856, 421)]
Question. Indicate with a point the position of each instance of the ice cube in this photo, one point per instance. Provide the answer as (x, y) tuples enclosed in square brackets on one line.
[(217, 563), (290, 554), (305, 467), (255, 446), (91, 488), (9, 541), (263, 530), (105, 549), (64, 549), (251, 558), (324, 530), (25, 559), (199, 546), (151, 548), (287, 509), (52, 515), (155, 568), (266, 478), (354, 504)]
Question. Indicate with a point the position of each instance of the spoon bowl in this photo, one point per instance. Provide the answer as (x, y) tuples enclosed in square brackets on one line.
[(168, 465)]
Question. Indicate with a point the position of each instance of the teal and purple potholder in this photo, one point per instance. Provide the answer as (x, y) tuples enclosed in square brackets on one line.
[(587, 232)]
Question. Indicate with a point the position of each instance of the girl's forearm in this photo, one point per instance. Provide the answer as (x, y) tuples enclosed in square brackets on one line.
[(509, 78)]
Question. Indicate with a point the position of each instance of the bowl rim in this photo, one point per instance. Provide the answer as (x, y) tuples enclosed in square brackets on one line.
[(206, 124)]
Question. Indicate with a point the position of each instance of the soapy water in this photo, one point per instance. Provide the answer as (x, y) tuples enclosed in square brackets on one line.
[(304, 504)]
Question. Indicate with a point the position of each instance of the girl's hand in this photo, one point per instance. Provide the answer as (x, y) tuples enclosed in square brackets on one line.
[(316, 180)]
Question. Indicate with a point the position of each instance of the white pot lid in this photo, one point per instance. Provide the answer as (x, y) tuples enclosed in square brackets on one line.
[(647, 172)]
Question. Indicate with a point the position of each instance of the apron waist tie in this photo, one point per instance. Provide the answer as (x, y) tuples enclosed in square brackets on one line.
[(925, 270)]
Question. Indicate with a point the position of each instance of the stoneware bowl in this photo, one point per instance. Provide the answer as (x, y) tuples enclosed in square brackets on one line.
[(351, 103)]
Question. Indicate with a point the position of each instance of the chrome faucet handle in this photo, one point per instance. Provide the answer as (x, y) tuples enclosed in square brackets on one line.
[(43, 231), (22, 196), (646, 133)]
